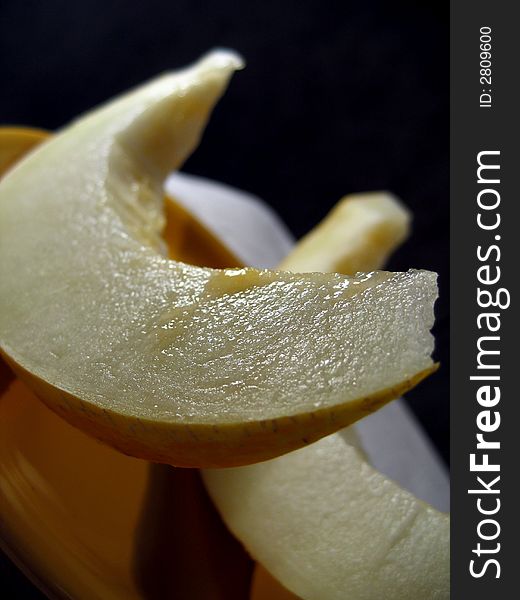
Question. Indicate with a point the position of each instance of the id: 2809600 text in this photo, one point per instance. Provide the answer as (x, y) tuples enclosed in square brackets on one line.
[(485, 67)]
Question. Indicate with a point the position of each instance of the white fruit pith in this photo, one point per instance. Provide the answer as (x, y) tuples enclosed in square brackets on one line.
[(158, 357)]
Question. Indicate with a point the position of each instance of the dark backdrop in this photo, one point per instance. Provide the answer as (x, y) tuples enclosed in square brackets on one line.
[(337, 97)]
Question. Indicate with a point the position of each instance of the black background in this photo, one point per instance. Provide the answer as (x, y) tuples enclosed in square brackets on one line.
[(337, 97)]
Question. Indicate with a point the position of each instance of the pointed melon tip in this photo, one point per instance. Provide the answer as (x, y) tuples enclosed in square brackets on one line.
[(222, 58)]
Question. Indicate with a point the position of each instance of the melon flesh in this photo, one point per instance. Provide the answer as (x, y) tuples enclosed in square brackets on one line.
[(328, 526), (321, 519), (166, 361)]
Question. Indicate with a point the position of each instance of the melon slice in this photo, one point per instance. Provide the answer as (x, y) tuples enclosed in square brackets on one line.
[(164, 360), (328, 526), (15, 142), (358, 234), (321, 520)]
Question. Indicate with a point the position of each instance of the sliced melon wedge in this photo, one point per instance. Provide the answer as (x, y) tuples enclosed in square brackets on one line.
[(321, 520), (15, 142), (328, 526), (358, 234), (167, 361)]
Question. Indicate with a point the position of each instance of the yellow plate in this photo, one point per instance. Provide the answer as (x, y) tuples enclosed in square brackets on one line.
[(70, 507), (15, 142), (84, 521)]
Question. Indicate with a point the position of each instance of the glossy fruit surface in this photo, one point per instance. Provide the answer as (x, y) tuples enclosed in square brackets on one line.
[(167, 361)]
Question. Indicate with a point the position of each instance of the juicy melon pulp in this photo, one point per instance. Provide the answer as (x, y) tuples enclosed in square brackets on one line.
[(167, 361), (328, 526), (363, 243)]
